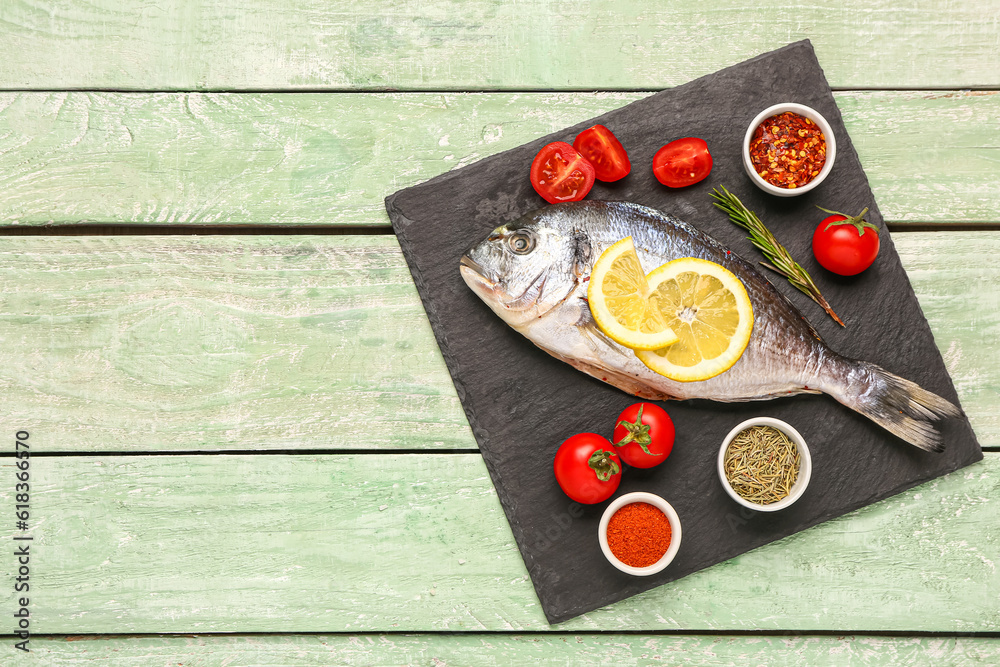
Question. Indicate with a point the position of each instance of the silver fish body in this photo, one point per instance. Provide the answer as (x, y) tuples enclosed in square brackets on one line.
[(533, 273)]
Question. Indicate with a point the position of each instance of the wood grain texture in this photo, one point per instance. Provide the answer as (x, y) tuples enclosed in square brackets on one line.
[(357, 543), (312, 159), (481, 44), (313, 342), (953, 273), (513, 651), (150, 343), (929, 157)]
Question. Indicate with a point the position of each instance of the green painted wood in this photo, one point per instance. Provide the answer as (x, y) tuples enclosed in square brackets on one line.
[(166, 343), (957, 282), (358, 543), (513, 650), (929, 157), (313, 342), (482, 44), (311, 159)]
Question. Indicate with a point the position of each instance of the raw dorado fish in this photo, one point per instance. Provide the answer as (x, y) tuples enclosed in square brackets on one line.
[(533, 274)]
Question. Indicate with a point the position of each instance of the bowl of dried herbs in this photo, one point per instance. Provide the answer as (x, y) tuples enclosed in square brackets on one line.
[(764, 464)]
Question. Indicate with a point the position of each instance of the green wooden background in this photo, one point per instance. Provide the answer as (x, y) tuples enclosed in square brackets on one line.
[(248, 450)]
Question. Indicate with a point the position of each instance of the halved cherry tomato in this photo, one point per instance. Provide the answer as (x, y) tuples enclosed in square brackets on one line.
[(605, 152), (559, 173), (682, 162)]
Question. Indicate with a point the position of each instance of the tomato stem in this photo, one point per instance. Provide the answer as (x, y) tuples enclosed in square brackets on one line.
[(858, 221), (637, 433), (603, 465)]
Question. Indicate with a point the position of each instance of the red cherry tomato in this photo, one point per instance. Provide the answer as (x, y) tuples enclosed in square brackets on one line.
[(844, 244), (559, 173), (644, 435), (587, 468), (682, 162), (605, 152)]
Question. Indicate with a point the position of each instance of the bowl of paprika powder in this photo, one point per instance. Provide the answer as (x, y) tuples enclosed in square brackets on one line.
[(788, 149), (640, 533)]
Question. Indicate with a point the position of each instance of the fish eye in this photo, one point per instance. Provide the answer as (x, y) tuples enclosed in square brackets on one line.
[(521, 243)]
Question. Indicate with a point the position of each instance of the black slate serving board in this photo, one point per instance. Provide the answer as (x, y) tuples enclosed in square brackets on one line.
[(522, 403)]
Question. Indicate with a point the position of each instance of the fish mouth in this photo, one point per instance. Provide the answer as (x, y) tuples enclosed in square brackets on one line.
[(474, 274)]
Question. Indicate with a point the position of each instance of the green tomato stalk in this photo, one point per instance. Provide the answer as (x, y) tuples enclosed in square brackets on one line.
[(603, 465), (858, 221), (637, 433)]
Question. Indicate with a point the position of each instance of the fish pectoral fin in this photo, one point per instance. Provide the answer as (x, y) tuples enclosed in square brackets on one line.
[(597, 339)]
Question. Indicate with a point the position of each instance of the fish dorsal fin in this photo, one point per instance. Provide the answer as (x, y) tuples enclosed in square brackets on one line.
[(812, 329)]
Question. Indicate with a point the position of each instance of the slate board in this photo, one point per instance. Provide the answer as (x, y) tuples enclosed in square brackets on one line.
[(522, 403)]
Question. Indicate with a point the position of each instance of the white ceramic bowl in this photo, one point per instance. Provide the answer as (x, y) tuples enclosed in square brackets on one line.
[(814, 116), (675, 532), (805, 466)]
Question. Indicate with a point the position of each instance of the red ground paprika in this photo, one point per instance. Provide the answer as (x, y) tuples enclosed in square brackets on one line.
[(639, 534)]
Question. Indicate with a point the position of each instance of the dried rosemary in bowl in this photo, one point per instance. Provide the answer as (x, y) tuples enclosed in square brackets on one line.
[(762, 464)]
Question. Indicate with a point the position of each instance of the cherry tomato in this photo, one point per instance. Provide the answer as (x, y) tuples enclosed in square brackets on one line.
[(682, 162), (644, 435), (605, 152), (587, 468), (846, 245), (559, 173)]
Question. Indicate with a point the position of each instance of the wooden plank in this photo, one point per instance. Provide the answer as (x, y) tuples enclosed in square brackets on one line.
[(929, 157), (481, 44), (312, 342), (167, 343), (514, 650), (309, 159), (358, 543), (951, 274)]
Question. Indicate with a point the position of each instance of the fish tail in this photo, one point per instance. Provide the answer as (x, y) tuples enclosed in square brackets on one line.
[(901, 407)]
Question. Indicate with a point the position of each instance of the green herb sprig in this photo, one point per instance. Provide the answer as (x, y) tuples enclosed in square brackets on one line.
[(781, 259)]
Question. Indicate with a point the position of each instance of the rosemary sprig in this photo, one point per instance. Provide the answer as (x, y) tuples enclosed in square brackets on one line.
[(781, 259)]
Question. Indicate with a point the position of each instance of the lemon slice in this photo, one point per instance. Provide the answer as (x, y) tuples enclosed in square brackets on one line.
[(709, 310), (619, 300)]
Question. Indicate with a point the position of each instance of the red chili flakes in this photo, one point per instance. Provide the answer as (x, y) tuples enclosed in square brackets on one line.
[(639, 534), (788, 150)]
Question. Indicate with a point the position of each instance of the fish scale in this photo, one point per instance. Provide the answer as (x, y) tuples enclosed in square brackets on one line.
[(533, 274)]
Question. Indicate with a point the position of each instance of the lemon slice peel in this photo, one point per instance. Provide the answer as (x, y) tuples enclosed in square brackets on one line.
[(618, 294)]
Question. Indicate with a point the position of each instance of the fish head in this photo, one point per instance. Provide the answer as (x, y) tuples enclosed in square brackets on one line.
[(525, 269)]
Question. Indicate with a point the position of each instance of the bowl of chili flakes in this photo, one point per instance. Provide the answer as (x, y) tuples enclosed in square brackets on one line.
[(789, 149)]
